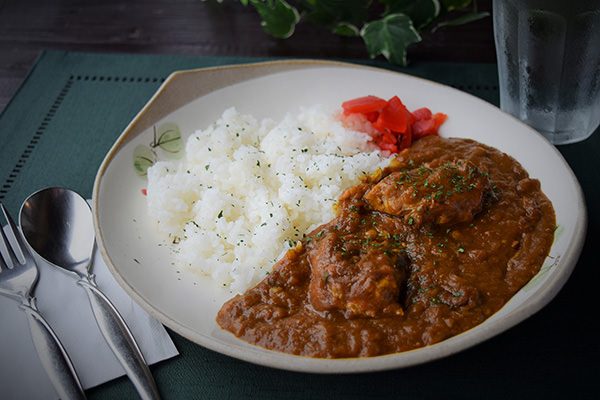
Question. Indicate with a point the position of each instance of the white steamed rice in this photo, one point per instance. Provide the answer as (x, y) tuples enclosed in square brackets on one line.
[(246, 190)]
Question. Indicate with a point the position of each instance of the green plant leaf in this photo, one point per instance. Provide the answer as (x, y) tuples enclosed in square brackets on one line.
[(463, 19), (346, 29), (168, 138), (279, 19), (452, 5), (331, 12), (390, 36), (143, 158), (422, 12)]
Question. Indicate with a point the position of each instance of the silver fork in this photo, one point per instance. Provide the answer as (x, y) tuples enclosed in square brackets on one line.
[(18, 277)]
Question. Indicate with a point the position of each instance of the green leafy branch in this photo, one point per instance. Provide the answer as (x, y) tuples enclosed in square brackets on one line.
[(387, 27)]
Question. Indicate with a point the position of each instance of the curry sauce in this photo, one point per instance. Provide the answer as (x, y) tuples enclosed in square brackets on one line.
[(425, 249)]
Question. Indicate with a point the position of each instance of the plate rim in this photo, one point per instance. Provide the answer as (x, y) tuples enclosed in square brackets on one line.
[(280, 360)]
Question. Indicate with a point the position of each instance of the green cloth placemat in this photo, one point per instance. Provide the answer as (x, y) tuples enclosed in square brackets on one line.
[(72, 107)]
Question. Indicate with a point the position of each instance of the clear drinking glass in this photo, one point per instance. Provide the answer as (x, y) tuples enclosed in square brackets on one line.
[(549, 65)]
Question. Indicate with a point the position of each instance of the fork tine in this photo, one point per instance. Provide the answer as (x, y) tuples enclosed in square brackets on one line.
[(5, 258), (15, 246)]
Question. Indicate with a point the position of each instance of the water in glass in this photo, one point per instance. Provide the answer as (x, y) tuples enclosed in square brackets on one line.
[(549, 65)]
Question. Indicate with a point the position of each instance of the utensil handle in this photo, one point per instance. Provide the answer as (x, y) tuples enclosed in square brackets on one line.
[(120, 340), (52, 354)]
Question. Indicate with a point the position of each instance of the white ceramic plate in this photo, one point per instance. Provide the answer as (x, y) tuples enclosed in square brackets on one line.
[(188, 303)]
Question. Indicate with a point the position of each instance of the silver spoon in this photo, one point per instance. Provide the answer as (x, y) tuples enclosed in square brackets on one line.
[(57, 223)]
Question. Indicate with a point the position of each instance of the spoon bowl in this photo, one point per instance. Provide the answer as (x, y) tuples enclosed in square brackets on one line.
[(58, 225)]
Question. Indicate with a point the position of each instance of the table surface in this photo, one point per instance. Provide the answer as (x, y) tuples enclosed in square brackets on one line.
[(191, 27), (514, 364), (78, 103)]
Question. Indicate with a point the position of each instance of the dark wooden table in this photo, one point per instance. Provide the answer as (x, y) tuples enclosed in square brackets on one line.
[(191, 27)]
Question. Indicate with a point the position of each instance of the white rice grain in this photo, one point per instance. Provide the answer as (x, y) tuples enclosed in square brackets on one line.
[(246, 190)]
